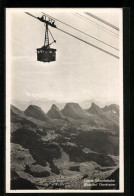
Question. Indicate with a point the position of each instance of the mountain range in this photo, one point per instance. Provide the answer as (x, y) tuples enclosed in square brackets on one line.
[(60, 148), (46, 104)]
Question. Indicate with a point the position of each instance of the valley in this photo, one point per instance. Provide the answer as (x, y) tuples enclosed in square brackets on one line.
[(61, 148)]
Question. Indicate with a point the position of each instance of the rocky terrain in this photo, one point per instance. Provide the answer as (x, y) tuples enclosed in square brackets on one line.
[(61, 148)]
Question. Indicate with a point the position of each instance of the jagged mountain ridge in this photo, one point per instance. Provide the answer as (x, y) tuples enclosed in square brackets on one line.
[(35, 115), (41, 152), (113, 108), (45, 104), (73, 113)]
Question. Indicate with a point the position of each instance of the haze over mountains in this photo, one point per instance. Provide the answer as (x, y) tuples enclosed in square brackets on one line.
[(46, 104), (60, 148)]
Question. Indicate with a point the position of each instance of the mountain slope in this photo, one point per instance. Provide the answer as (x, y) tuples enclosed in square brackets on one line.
[(55, 113), (94, 109), (15, 110), (18, 118), (73, 110), (111, 109), (46, 154), (36, 112), (105, 119)]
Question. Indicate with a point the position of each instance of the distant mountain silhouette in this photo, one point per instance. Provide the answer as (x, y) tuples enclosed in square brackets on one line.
[(36, 112), (71, 113), (55, 113), (73, 110), (45, 104), (94, 109)]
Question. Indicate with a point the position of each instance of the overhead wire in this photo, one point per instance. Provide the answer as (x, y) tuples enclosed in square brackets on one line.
[(31, 15), (96, 24), (78, 37), (103, 21), (89, 43), (83, 32)]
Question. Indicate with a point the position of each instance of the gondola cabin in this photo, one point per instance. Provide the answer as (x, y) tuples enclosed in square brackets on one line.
[(45, 54)]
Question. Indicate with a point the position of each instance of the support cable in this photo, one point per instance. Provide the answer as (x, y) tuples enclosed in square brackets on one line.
[(96, 24), (83, 32), (79, 38), (89, 44), (103, 21)]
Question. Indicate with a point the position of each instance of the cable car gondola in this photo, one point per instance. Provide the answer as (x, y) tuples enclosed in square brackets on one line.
[(45, 53)]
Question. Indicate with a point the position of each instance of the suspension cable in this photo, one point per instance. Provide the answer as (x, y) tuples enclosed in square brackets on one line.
[(96, 24), (83, 32), (81, 39), (89, 43), (103, 21)]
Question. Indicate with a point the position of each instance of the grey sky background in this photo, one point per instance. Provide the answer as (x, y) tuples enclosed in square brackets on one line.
[(80, 72)]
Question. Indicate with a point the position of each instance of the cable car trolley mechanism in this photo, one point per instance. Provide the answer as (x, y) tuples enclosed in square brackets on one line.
[(45, 53)]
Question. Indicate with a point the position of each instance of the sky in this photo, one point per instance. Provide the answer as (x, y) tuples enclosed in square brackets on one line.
[(80, 71)]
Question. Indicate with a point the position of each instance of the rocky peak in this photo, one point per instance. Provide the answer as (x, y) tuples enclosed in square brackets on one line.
[(54, 107), (15, 110), (94, 109), (113, 108), (36, 112), (73, 106), (73, 110), (54, 112)]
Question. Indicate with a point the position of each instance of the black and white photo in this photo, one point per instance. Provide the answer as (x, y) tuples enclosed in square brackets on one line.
[(64, 100)]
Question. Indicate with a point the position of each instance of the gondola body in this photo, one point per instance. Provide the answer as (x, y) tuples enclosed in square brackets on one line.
[(46, 54)]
